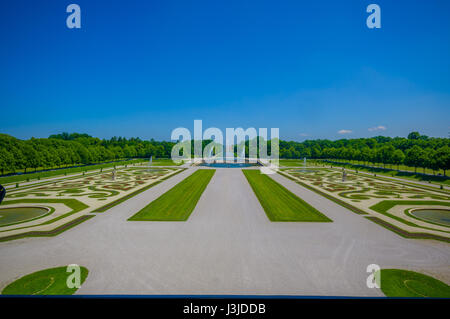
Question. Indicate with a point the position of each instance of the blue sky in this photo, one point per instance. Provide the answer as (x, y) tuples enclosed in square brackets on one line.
[(143, 68)]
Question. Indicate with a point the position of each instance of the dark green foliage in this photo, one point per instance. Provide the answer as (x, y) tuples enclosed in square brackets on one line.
[(73, 149), (416, 150), (70, 149)]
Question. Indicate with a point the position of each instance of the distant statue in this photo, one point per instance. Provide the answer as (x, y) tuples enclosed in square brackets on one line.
[(2, 193), (344, 175), (114, 174), (304, 161)]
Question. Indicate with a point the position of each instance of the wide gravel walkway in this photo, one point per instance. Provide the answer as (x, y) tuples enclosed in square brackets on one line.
[(228, 246)]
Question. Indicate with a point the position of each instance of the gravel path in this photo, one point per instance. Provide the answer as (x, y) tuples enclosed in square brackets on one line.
[(228, 246)]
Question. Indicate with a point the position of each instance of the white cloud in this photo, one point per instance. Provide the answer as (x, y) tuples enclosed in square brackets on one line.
[(345, 131), (377, 128), (304, 134)]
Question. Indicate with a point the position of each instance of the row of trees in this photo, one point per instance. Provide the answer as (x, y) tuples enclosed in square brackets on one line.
[(387, 154), (415, 151), (69, 149)]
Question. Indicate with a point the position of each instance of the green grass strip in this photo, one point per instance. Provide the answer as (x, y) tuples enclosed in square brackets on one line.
[(164, 162), (178, 203), (126, 197), (405, 283), (279, 203), (62, 171), (50, 281)]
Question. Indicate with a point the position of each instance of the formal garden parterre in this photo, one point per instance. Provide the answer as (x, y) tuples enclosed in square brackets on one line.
[(52, 207), (388, 203)]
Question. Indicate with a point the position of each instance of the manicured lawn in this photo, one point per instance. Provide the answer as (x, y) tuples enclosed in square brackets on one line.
[(405, 283), (178, 203), (163, 162), (293, 162), (61, 172), (50, 281), (279, 203)]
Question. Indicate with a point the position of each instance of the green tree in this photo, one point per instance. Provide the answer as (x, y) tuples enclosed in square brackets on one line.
[(365, 154), (385, 154), (413, 136), (6, 161), (398, 157), (442, 158), (414, 157)]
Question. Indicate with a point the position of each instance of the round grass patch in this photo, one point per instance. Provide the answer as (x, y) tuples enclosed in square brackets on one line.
[(50, 281), (405, 283)]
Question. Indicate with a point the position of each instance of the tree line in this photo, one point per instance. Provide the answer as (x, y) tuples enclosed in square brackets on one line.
[(70, 149), (416, 151)]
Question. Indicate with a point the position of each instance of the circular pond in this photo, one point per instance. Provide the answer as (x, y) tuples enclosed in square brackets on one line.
[(13, 215), (440, 216)]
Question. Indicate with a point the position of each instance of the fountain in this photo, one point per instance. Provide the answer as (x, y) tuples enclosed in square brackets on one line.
[(304, 169), (150, 163)]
